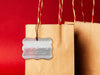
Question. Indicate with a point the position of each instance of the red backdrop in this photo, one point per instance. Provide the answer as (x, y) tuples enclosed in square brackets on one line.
[(14, 14)]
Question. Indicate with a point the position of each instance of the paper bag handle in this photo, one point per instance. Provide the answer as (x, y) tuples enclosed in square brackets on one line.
[(60, 12), (39, 16), (82, 10)]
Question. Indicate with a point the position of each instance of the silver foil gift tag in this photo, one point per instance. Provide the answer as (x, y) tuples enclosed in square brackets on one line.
[(33, 49)]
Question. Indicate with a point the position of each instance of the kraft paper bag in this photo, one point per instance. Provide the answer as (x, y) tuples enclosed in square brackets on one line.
[(62, 62), (87, 47)]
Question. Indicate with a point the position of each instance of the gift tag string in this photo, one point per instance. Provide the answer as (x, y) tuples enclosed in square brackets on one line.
[(39, 17)]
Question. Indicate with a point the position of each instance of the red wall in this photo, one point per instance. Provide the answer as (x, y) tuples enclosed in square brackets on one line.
[(14, 14)]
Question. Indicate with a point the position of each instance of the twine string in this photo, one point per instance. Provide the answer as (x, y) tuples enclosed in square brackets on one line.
[(73, 10), (60, 12), (39, 17), (93, 11), (82, 10)]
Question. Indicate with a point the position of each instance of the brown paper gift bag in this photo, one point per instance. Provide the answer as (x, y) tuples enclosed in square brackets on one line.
[(62, 62), (87, 47)]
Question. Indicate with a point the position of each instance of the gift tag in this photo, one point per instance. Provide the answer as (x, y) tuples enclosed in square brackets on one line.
[(33, 49)]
